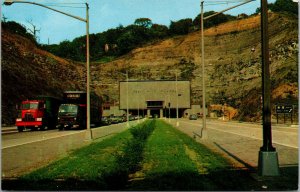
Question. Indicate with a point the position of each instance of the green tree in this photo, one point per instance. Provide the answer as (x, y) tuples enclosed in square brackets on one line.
[(285, 5), (213, 21), (282, 6), (144, 22), (159, 31), (181, 27)]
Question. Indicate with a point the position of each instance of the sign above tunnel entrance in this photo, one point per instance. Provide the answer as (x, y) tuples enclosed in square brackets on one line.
[(141, 92)]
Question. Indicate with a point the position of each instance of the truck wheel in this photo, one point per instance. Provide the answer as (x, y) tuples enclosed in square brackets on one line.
[(42, 128), (20, 129), (60, 128)]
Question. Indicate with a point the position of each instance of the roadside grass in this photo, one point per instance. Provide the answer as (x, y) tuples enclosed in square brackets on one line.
[(174, 161)]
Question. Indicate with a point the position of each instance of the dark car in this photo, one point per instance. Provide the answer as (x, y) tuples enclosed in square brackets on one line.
[(193, 117)]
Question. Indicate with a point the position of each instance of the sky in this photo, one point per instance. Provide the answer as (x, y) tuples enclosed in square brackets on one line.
[(107, 14)]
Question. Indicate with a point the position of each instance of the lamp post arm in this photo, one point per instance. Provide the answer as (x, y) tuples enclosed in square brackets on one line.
[(210, 16), (33, 3)]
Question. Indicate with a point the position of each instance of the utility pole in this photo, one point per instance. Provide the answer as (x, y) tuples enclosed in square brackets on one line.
[(268, 157)]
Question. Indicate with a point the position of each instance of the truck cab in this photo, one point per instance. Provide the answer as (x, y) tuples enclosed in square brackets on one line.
[(72, 112), (39, 113), (71, 116), (30, 115)]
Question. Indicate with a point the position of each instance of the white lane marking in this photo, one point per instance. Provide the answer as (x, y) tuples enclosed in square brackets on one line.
[(243, 126), (279, 143), (41, 140)]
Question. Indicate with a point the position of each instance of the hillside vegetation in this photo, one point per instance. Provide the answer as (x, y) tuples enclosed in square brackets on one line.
[(232, 60)]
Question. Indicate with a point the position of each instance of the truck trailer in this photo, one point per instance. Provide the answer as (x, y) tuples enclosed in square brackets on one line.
[(38, 113), (72, 112)]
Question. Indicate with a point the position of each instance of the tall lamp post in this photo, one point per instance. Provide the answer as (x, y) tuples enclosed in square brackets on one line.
[(127, 99), (268, 157), (177, 122), (10, 2), (204, 131)]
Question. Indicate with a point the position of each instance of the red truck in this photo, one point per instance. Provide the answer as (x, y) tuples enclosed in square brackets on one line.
[(38, 113)]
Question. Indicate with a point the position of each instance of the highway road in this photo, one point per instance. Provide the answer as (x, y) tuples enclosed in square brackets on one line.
[(282, 135), (242, 141), (16, 138)]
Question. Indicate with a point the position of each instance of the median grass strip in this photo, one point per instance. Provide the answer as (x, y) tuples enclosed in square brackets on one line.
[(174, 161)]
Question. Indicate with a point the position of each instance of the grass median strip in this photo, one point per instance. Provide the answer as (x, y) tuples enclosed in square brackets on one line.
[(173, 161)]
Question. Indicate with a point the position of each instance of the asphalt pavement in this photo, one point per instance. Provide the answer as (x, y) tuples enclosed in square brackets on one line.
[(241, 142)]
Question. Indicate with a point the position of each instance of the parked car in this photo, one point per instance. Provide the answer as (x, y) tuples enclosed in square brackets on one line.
[(193, 117), (115, 119), (106, 121)]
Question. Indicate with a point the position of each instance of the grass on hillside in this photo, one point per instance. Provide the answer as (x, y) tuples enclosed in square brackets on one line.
[(151, 156), (105, 59)]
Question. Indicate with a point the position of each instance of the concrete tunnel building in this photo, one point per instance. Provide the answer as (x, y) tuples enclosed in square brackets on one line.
[(156, 98)]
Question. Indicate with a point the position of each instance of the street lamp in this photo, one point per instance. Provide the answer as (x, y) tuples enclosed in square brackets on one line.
[(177, 122), (268, 157), (127, 107), (127, 100), (10, 2), (177, 95), (204, 131)]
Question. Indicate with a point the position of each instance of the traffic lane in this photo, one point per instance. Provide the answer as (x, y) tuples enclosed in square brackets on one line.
[(8, 130), (21, 138), (26, 157), (282, 136), (228, 145), (20, 159), (243, 150), (286, 136)]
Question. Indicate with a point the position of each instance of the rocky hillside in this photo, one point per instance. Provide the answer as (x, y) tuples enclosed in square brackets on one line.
[(232, 61)]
